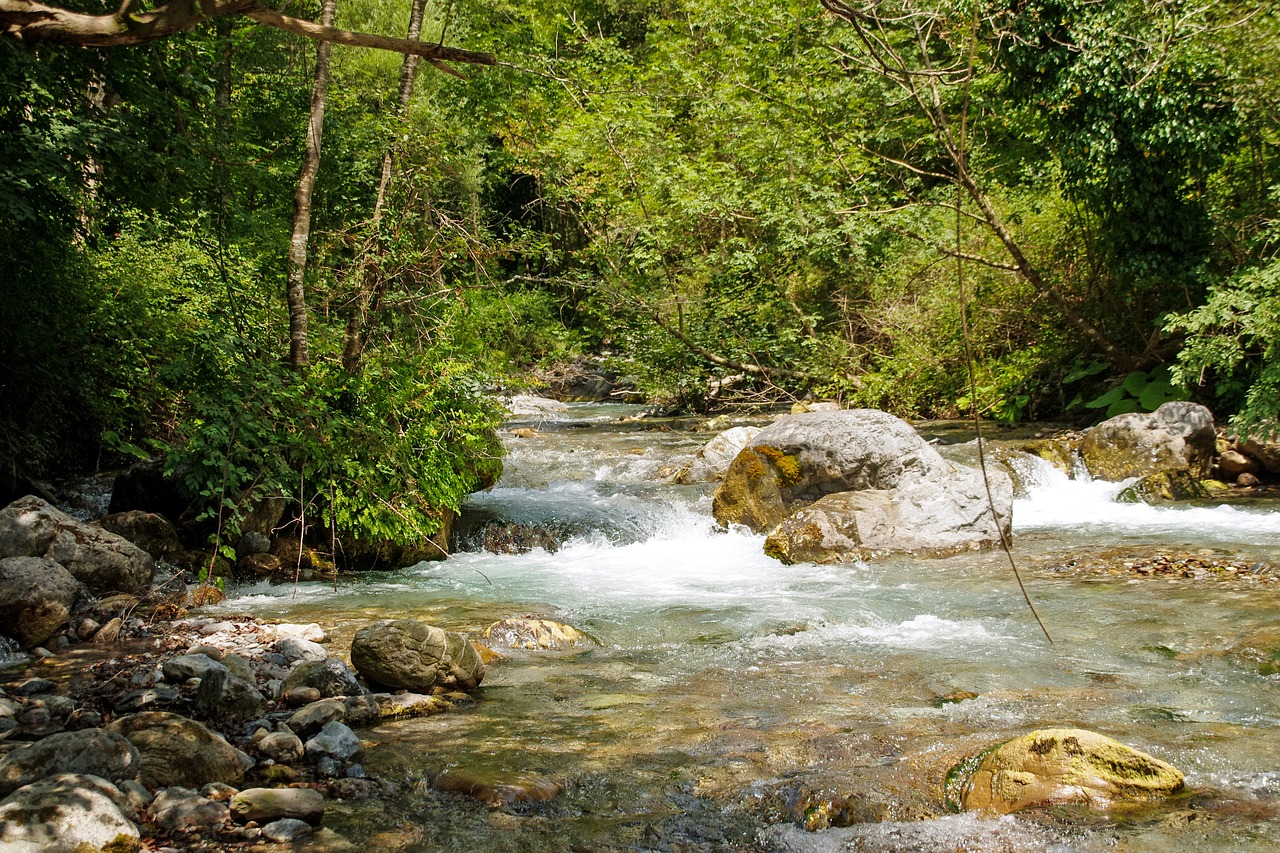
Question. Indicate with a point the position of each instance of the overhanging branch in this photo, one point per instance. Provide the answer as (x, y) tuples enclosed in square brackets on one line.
[(32, 23)]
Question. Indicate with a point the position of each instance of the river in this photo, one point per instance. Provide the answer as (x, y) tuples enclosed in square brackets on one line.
[(733, 701)]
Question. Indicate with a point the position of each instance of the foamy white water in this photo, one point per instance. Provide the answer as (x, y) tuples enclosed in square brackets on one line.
[(1058, 502)]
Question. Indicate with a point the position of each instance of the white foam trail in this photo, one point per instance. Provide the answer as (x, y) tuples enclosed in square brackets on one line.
[(1055, 501)]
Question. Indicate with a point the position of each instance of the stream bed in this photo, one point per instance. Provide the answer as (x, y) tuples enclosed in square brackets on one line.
[(734, 703)]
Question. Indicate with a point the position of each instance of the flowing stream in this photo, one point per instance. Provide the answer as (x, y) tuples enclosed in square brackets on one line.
[(733, 701)]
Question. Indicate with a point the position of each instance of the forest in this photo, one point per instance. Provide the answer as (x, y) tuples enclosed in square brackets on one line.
[(295, 264)]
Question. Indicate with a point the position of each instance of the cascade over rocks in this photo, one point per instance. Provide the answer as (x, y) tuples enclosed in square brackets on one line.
[(1178, 435), (890, 490), (102, 561), (1050, 766)]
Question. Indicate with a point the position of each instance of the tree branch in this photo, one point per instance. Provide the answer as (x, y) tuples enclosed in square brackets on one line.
[(32, 22)]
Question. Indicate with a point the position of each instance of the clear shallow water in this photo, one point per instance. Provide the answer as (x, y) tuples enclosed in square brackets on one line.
[(730, 692)]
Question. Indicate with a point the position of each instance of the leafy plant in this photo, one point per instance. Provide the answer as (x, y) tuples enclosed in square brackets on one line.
[(1141, 391)]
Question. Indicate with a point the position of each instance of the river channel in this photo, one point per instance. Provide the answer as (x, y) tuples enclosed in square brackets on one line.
[(734, 703)]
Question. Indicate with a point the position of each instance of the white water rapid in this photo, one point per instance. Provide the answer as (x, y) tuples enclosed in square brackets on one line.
[(728, 688)]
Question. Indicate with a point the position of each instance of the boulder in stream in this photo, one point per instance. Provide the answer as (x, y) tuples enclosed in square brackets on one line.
[(1178, 435), (102, 561), (1049, 766), (405, 654), (891, 490)]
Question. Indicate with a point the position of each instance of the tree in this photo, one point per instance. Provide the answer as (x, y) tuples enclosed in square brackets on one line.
[(295, 286)]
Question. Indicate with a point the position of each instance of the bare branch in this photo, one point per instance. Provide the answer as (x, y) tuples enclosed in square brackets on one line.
[(32, 22)]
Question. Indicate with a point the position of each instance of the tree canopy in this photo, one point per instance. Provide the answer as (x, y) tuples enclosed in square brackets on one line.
[(720, 202)]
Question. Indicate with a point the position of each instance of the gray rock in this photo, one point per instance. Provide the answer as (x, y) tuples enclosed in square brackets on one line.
[(311, 718), (102, 561), (332, 677), (337, 741), (183, 809), (914, 519), (147, 699), (178, 670), (526, 405), (36, 596), (295, 649), (93, 752), (286, 830), (311, 631), (149, 531), (1177, 435), (253, 543), (925, 504), (64, 812), (712, 461), (226, 696), (406, 654), (176, 751), (263, 805), (281, 747)]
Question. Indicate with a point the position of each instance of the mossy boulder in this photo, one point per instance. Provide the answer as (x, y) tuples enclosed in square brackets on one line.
[(1177, 435), (896, 492), (1164, 487), (1053, 766)]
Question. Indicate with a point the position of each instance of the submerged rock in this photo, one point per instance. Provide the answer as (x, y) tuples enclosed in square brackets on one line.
[(498, 789), (1177, 435), (895, 492), (1050, 766), (530, 633)]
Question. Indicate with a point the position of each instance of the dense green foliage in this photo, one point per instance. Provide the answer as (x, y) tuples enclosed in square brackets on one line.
[(729, 201)]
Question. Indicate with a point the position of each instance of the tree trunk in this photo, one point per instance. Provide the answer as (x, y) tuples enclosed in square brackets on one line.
[(356, 335), (295, 290)]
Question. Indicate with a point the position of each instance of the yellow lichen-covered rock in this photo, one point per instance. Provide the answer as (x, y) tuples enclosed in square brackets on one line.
[(530, 633), (1065, 766)]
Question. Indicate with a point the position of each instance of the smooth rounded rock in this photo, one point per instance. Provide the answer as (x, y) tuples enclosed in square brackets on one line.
[(92, 752), (263, 805), (176, 751), (66, 813), (1050, 766), (530, 633)]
